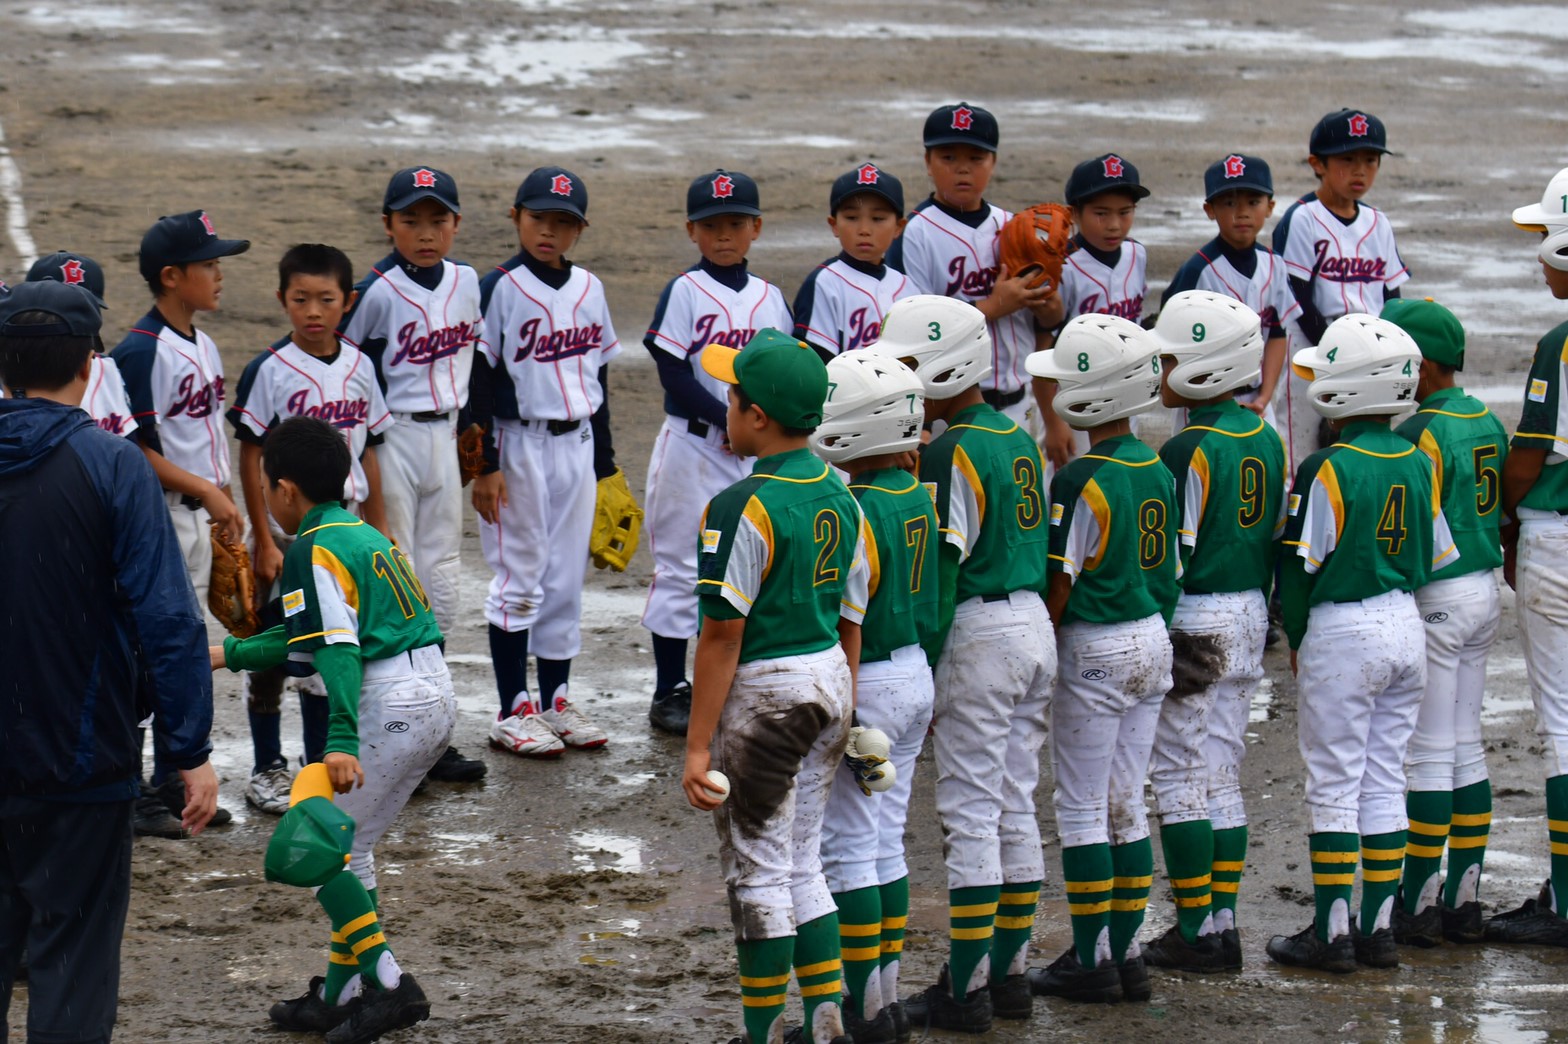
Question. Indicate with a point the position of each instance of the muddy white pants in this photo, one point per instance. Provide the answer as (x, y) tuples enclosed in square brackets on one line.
[(1360, 673), (993, 692), (1542, 604), (423, 492), (1461, 617)]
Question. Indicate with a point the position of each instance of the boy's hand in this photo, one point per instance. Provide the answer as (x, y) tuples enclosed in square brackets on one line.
[(1012, 293), (490, 496), (201, 797), (1509, 532), (215, 654), (224, 512), (1292, 663), (1058, 439), (694, 781), (1049, 313), (344, 771), (1257, 406), (267, 564)]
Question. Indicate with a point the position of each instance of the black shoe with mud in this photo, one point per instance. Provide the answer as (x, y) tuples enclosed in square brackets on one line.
[(1532, 923), (1378, 950), (1464, 924), (1173, 952), (935, 1007), (1011, 998), (1068, 979), (1306, 950), (310, 1013), (671, 709), (377, 1012), (1424, 929)]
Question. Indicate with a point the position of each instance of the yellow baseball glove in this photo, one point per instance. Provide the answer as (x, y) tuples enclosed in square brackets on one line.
[(231, 591), (617, 520)]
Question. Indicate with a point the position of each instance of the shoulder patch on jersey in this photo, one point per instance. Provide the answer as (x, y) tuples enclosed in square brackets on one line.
[(1295, 502), (930, 490), (294, 602), (1537, 391), (1056, 514), (710, 541)]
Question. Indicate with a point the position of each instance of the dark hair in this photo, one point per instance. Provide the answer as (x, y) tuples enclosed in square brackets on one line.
[(45, 363), (316, 259), (310, 453), (155, 281), (1443, 368), (746, 403)]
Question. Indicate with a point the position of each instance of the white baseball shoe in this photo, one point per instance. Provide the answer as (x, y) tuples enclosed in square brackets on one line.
[(526, 735), (268, 789), (573, 728)]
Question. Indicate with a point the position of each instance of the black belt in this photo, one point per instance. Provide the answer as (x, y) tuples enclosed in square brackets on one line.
[(1001, 400), (697, 428), (189, 502), (428, 417), (558, 427), (996, 597)]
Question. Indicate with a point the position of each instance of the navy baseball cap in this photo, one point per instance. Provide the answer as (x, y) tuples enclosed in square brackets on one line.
[(1346, 131), (73, 307), (553, 189), (961, 124), (63, 266), (412, 184), (1103, 174), (867, 177), (1237, 171), (182, 239), (722, 192)]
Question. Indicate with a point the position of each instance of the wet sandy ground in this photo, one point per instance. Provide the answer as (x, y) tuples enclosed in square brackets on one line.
[(581, 900)]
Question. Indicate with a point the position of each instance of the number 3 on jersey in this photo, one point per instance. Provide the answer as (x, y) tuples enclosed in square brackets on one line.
[(1026, 475)]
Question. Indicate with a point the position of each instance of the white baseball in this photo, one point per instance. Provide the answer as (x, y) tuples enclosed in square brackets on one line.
[(718, 785), (885, 781), (873, 743)]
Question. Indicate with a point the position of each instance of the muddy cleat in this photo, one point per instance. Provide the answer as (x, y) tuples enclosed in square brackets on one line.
[(671, 709), (1378, 950), (452, 767), (1175, 953), (526, 735), (573, 728), (879, 1030), (1306, 950), (1230, 948), (1424, 929), (797, 1035), (310, 1013), (1532, 922), (901, 1028), (935, 1008), (172, 794), (268, 790), (381, 1011), (1134, 975), (1463, 925), (1011, 998), (150, 817), (1065, 977)]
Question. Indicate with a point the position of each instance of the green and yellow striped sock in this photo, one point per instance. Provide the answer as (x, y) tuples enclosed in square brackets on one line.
[(1429, 812), (971, 921), (1189, 860), (1467, 837), (1557, 824), (1087, 875), (764, 982), (818, 967), (895, 918), (860, 945), (1132, 865), (357, 939), (1230, 858), (1014, 925), (1382, 858), (1333, 875)]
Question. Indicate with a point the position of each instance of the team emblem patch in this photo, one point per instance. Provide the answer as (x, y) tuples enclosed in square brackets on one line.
[(931, 489), (1113, 166), (868, 175), (206, 222), (1235, 166), (1358, 126), (71, 272), (710, 541), (963, 118), (723, 187), (1056, 514), (294, 602), (561, 185), (1295, 502), (1537, 391), (424, 178)]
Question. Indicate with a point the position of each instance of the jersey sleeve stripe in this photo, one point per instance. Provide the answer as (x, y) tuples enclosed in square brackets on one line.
[(966, 467), (325, 559), (1336, 500), (873, 559), (757, 515), (1095, 498), (1200, 468)]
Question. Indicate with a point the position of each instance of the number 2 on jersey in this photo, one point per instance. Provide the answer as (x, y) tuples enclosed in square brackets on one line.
[(826, 534), (399, 575), (1391, 523)]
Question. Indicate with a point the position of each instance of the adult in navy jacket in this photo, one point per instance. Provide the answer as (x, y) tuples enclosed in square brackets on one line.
[(98, 626)]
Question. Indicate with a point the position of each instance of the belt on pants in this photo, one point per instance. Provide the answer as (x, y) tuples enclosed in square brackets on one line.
[(1001, 400), (698, 428), (428, 417), (189, 502), (554, 427)]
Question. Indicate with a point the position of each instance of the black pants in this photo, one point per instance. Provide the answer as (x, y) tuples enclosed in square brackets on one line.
[(65, 885)]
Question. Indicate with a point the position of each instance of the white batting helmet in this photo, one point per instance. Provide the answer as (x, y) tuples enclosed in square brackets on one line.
[(943, 340), (1552, 211), (1363, 366), (874, 406), (1105, 368), (1217, 342), (1554, 248)]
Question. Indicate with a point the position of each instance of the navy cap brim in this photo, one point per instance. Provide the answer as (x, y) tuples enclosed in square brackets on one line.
[(552, 204), (1239, 185), (1134, 190), (958, 139), (1356, 147), (213, 249), (404, 202), (724, 208)]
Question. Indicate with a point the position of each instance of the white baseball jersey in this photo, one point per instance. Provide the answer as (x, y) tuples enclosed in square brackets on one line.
[(1254, 277), (697, 310), (953, 254), (1092, 287), (287, 381), (842, 302), (421, 341), (1350, 264), (175, 386), (105, 400)]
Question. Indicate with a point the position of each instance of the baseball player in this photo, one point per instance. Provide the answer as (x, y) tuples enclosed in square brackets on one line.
[(1366, 529), (1535, 541), (716, 301), (948, 248), (1339, 252), (783, 588), (1229, 467), (1115, 565), (1449, 803), (1238, 198), (540, 393), (352, 608), (994, 663), (871, 428), (843, 301), (105, 400), (309, 373)]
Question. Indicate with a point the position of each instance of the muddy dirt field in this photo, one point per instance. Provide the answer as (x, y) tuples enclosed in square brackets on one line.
[(581, 900)]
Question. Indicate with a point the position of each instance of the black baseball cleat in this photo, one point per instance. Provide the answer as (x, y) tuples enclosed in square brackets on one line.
[(1378, 950), (172, 793), (1173, 952), (379, 1011), (671, 709), (879, 1030), (797, 1035), (1306, 950), (1230, 948), (1463, 924), (310, 1013), (935, 1008), (901, 1028), (1011, 998), (1532, 922), (452, 767), (1068, 979), (1424, 929), (1134, 975), (150, 817)]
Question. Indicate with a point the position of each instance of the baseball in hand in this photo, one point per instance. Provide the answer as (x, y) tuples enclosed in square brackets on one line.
[(718, 785), (873, 743)]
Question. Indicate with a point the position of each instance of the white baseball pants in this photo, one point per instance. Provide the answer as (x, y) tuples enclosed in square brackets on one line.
[(193, 530), (1461, 616), (423, 490), (1542, 605)]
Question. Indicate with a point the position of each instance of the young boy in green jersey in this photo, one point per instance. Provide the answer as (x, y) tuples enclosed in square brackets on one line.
[(1365, 530), (782, 582), (1449, 803), (353, 607), (871, 428), (994, 662), (1115, 565), (1229, 466)]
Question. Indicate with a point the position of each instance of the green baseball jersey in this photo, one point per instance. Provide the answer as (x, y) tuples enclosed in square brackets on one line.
[(984, 476), (901, 562), (1543, 424), (1467, 447), (785, 548), (1229, 467), (1364, 519), (1114, 521)]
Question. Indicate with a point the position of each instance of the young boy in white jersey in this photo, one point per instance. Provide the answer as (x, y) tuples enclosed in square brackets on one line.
[(1339, 252), (541, 392), (105, 401), (309, 373), (843, 301), (716, 301)]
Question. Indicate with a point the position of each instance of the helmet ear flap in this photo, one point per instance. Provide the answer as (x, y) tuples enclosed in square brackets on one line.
[(1554, 248)]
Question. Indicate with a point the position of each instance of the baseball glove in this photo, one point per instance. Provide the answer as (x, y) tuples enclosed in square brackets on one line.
[(616, 522), (471, 453), (1037, 240), (231, 592)]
